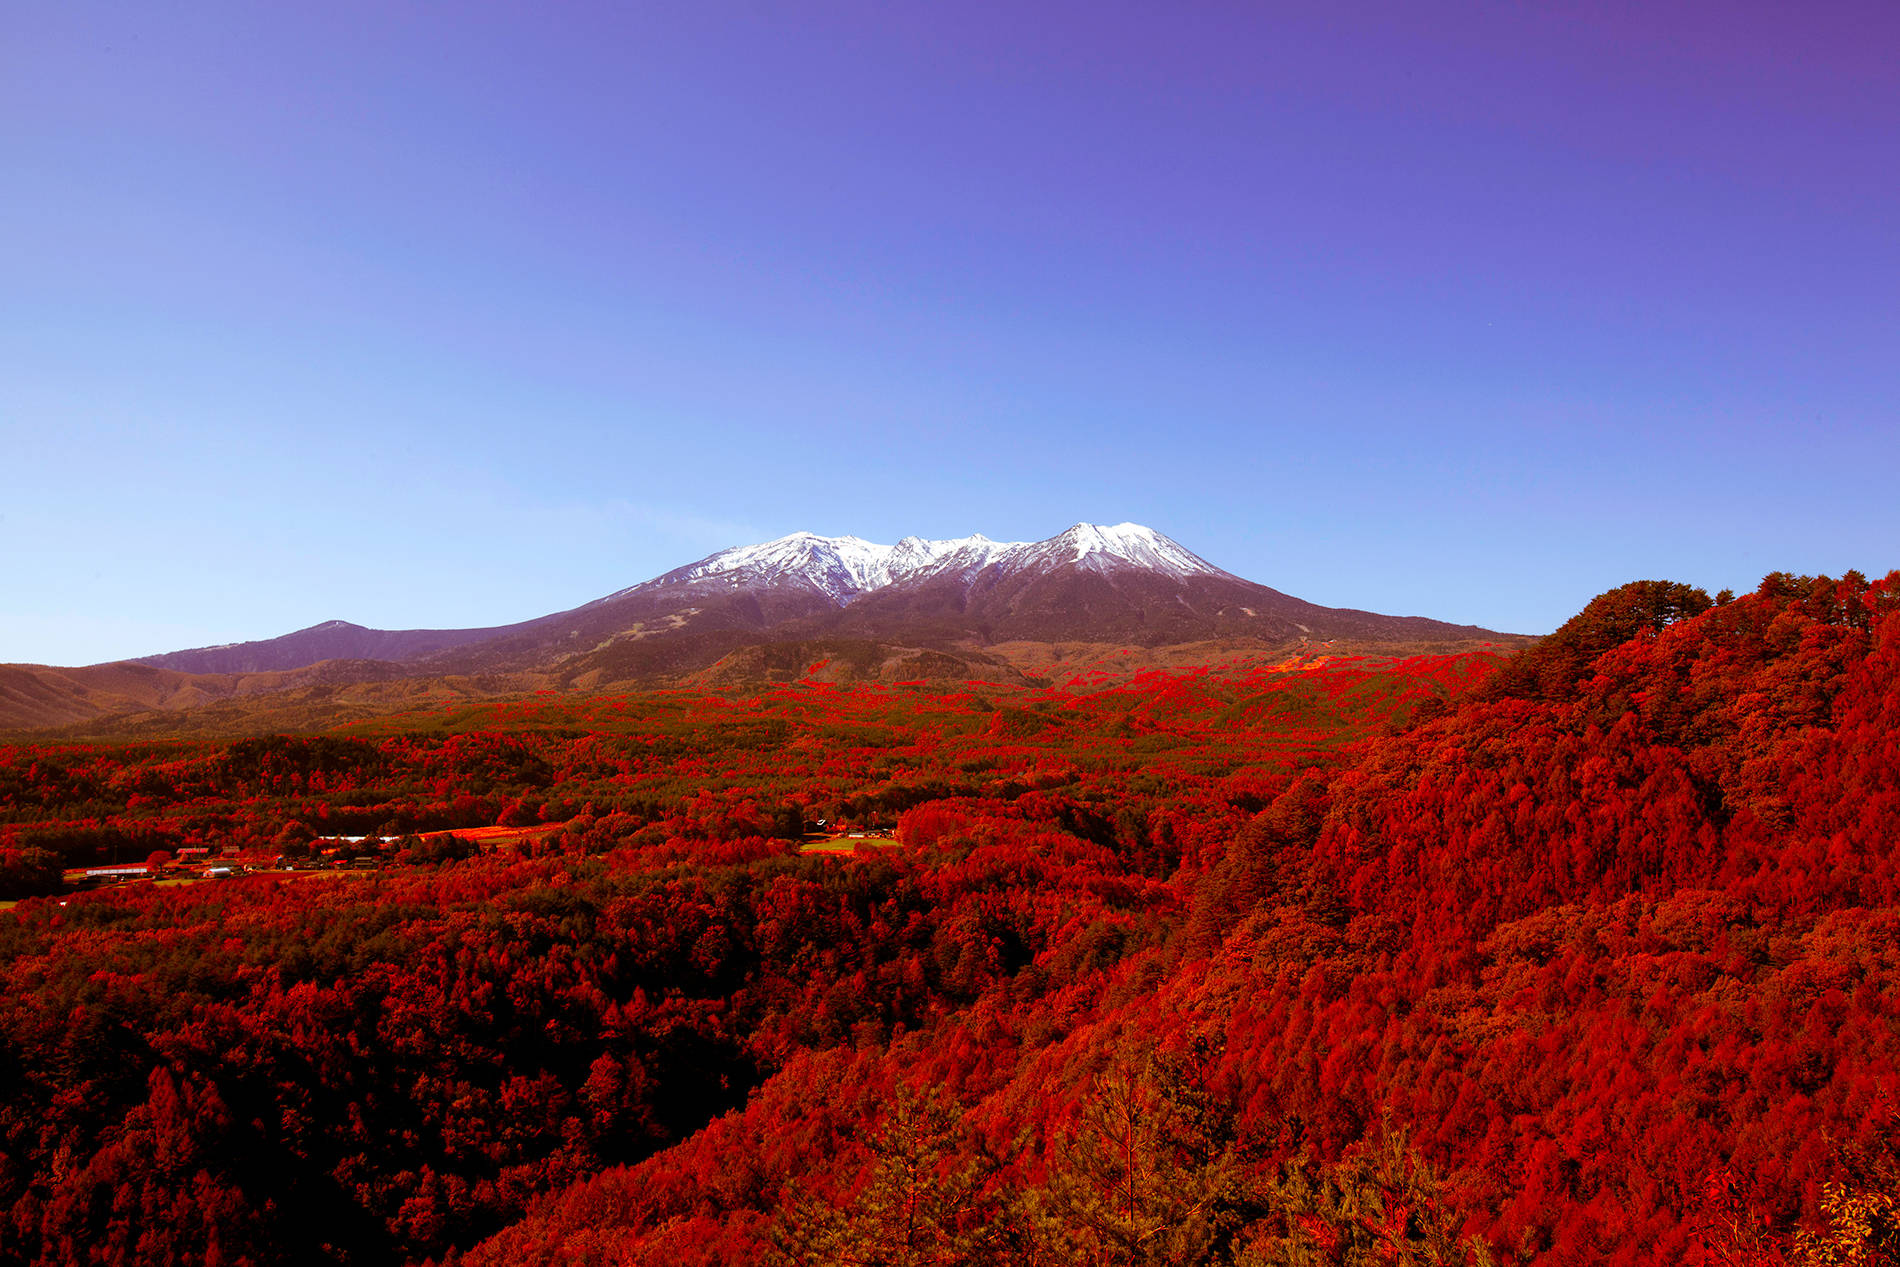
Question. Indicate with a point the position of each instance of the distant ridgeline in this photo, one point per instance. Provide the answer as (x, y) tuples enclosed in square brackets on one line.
[(1091, 583), (942, 611)]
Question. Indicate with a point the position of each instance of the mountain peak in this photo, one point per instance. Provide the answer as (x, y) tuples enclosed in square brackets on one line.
[(1103, 548), (843, 569), (1091, 582), (839, 568)]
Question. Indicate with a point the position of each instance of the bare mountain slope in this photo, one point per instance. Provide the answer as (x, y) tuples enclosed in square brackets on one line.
[(331, 640)]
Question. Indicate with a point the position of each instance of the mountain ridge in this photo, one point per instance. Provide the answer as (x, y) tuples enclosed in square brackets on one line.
[(1091, 582), (951, 609), (848, 568)]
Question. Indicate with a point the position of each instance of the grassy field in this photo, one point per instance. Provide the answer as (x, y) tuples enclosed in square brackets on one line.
[(844, 844), (492, 837)]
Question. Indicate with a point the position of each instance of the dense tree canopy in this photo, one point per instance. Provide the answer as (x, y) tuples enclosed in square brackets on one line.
[(1591, 958)]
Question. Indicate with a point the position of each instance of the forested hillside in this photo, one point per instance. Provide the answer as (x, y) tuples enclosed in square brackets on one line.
[(1586, 955)]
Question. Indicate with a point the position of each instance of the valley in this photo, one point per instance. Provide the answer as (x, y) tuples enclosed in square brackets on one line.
[(1581, 952), (904, 635)]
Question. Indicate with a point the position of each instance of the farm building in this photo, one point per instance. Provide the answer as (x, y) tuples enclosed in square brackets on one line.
[(131, 871)]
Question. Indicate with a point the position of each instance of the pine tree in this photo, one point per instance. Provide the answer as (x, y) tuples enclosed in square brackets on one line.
[(924, 1203), (1152, 1174), (1378, 1205)]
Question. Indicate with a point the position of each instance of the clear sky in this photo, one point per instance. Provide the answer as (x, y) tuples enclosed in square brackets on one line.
[(423, 314)]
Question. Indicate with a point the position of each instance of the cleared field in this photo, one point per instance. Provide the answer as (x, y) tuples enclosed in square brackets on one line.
[(845, 844), (496, 836)]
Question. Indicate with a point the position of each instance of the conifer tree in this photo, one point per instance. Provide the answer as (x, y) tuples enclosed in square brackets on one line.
[(1378, 1205), (1151, 1174), (924, 1202)]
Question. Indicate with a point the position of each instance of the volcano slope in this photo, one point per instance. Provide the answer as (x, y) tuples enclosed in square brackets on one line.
[(1586, 955), (750, 615)]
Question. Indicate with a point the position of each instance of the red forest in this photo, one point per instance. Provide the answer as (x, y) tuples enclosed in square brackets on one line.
[(1589, 954)]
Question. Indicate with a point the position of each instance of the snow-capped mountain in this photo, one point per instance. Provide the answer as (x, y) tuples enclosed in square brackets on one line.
[(1093, 583), (1100, 549), (846, 568), (840, 568)]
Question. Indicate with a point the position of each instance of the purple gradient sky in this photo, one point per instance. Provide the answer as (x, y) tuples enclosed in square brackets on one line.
[(414, 314)]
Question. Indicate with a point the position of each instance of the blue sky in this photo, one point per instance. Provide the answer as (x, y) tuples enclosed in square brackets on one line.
[(418, 315)]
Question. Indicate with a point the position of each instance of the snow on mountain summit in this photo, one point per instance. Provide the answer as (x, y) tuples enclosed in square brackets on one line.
[(843, 568), (1101, 549), (838, 567)]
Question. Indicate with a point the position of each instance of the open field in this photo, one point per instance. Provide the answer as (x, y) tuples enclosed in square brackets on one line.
[(496, 837), (845, 844)]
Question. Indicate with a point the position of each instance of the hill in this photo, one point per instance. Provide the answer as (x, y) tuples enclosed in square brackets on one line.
[(1579, 956)]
